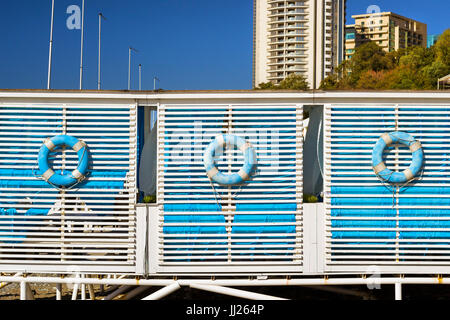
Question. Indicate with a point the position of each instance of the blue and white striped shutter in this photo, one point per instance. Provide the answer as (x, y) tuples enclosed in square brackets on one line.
[(372, 227), (205, 227), (89, 228)]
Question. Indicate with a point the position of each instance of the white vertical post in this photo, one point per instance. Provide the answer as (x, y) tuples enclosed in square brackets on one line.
[(58, 291), (82, 40), (153, 239), (75, 291), (141, 238), (23, 290), (75, 288), (51, 47), (398, 291), (83, 289), (310, 250)]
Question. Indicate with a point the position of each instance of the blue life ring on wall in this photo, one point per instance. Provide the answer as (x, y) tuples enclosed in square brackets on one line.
[(71, 178), (388, 139), (235, 178)]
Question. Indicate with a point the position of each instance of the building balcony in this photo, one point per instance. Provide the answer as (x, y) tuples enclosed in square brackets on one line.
[(288, 55), (277, 14), (297, 26), (296, 40), (293, 5), (282, 49), (288, 69)]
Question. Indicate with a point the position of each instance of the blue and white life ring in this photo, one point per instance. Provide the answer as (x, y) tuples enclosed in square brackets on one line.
[(388, 139), (70, 178), (234, 178)]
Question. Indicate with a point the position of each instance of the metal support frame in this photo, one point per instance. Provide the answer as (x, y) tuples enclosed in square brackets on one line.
[(222, 286), (163, 292), (234, 292)]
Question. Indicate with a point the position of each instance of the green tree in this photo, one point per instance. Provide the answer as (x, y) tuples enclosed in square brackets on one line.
[(294, 82), (413, 68), (442, 48), (291, 82), (368, 56), (266, 86)]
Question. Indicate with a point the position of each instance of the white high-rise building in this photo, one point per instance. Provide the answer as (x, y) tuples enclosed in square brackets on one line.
[(297, 37)]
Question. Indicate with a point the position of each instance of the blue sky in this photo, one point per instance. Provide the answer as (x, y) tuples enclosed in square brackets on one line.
[(187, 44)]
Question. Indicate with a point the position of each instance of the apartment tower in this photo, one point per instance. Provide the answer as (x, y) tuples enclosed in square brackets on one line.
[(297, 37), (389, 30)]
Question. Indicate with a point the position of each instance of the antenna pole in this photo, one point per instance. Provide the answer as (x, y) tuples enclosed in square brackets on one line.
[(82, 40), (140, 77), (51, 47)]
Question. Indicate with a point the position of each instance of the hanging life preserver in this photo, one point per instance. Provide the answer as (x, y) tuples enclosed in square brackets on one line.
[(218, 144), (388, 139), (71, 178)]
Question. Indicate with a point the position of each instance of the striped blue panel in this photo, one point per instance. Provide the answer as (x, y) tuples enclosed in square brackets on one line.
[(19, 169), (362, 207), (257, 227)]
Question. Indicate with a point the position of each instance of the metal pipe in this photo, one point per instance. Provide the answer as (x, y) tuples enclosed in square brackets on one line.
[(234, 282), (234, 292), (91, 291), (99, 47), (163, 292), (51, 47), (133, 293), (398, 291), (115, 293), (83, 289), (23, 290), (100, 17), (29, 292), (129, 68), (75, 291), (76, 285), (58, 291), (82, 41), (129, 65), (4, 284)]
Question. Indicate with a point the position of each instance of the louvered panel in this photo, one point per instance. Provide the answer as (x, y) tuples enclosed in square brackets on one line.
[(205, 226), (370, 223), (90, 227)]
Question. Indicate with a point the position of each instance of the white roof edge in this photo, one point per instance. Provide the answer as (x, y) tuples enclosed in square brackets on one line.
[(229, 95)]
